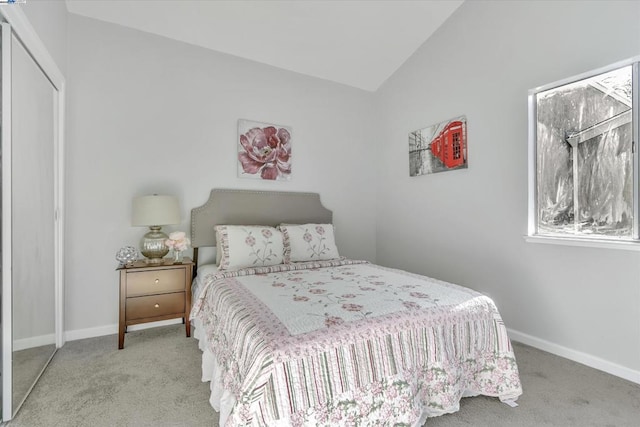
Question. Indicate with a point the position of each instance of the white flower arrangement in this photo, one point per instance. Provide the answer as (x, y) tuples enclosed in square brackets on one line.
[(178, 241)]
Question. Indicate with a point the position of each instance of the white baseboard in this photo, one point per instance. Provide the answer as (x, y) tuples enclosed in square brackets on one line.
[(25, 343), (576, 356), (79, 334)]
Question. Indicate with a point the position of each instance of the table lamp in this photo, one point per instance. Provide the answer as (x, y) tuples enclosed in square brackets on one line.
[(155, 211)]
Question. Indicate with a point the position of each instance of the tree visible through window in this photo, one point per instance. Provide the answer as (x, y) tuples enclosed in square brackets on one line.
[(584, 157)]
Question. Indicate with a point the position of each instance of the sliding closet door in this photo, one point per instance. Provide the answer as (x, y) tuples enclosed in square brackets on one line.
[(33, 222), (5, 48), (32, 129)]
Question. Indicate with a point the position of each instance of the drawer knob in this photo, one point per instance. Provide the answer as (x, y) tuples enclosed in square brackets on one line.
[(157, 281), (157, 306)]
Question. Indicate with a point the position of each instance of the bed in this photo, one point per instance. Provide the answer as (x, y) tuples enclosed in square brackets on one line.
[(329, 340)]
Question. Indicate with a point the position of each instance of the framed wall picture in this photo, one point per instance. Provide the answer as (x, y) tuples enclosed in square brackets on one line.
[(264, 151), (438, 148)]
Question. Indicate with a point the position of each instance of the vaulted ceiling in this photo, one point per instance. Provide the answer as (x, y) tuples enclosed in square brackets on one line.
[(356, 43)]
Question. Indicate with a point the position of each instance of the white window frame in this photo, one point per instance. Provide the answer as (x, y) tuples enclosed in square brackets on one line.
[(575, 240)]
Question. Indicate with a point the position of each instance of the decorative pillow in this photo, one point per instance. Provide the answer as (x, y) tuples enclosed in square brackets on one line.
[(243, 246), (308, 242)]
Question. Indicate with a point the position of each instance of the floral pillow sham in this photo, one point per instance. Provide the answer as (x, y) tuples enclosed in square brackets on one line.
[(308, 242), (242, 246)]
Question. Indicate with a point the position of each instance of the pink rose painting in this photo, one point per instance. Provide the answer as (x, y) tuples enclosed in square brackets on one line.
[(264, 151)]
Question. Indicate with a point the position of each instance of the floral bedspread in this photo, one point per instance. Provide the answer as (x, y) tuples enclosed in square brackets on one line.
[(347, 342)]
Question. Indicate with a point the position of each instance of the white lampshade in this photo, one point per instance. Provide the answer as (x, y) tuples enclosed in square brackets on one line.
[(155, 210)]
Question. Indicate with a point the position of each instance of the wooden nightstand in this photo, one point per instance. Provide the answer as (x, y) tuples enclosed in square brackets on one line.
[(149, 293)]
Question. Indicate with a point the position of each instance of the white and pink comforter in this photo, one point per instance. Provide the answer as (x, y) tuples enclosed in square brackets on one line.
[(347, 342)]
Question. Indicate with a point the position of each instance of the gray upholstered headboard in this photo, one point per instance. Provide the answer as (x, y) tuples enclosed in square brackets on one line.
[(248, 207)]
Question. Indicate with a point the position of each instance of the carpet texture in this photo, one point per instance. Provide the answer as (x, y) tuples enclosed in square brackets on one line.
[(155, 381)]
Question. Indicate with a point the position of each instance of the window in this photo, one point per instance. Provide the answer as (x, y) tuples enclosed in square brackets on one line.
[(583, 180), (456, 146)]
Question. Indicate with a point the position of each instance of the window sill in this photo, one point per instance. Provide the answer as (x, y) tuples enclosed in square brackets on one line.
[(569, 241)]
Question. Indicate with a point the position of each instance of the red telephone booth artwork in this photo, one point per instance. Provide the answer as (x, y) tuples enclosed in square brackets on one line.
[(450, 144), (438, 148)]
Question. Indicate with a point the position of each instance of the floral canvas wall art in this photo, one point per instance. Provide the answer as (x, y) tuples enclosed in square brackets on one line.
[(438, 148), (264, 151)]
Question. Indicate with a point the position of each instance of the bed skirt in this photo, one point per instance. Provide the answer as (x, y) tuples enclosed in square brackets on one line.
[(223, 401)]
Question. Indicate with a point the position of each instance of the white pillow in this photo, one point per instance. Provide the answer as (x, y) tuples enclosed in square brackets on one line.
[(243, 246), (308, 242)]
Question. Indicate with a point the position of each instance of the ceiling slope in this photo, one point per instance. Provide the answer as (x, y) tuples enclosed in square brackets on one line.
[(356, 43)]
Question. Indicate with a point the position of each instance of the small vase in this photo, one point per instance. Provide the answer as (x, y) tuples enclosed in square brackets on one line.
[(177, 257)]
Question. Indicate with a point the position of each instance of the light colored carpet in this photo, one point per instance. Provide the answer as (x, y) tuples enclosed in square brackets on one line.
[(155, 381)]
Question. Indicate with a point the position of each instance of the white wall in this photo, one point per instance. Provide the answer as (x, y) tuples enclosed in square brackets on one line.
[(49, 18), (467, 226), (148, 114)]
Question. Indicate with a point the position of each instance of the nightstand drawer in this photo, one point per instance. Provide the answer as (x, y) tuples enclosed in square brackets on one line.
[(155, 305), (152, 282)]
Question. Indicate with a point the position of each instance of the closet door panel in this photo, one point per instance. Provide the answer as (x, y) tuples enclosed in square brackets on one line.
[(33, 250)]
